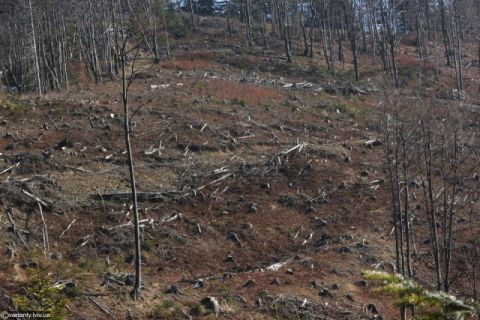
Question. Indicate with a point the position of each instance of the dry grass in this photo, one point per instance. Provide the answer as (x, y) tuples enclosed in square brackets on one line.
[(407, 61), (197, 55), (177, 251), (238, 93), (246, 61), (198, 60), (185, 64)]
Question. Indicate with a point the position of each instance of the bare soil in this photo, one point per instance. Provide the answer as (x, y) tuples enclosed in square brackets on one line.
[(245, 172)]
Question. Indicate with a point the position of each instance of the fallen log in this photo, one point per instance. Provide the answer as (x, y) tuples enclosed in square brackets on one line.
[(20, 157), (20, 193), (101, 307), (10, 168), (67, 228), (214, 181), (198, 282), (147, 222), (142, 196)]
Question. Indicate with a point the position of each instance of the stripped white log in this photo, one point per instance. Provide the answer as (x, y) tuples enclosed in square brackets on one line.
[(46, 244), (10, 168), (35, 198), (213, 182), (298, 147), (67, 228), (277, 266)]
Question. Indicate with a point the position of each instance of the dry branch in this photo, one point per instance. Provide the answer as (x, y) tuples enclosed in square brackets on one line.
[(214, 182), (10, 168), (101, 307), (142, 196), (67, 228), (148, 222), (40, 201), (14, 227), (46, 244)]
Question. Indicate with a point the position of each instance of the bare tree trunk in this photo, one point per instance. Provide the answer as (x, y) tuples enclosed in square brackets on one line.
[(350, 17), (457, 54), (390, 169), (397, 177), (192, 16), (138, 263), (406, 202), (153, 22), (313, 21), (283, 18), (264, 24), (304, 34), (388, 18), (248, 23), (446, 39), (430, 206), (127, 80), (327, 37), (34, 47), (165, 28), (340, 39)]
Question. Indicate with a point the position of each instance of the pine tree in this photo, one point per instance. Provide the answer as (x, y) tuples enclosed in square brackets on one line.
[(428, 304)]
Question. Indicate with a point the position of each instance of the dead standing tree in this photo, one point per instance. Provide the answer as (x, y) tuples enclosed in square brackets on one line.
[(192, 15), (327, 36), (248, 24), (127, 80), (398, 134), (34, 46), (430, 159), (350, 12), (284, 26), (388, 18)]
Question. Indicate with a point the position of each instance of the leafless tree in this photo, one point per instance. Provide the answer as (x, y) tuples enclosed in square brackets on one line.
[(128, 76)]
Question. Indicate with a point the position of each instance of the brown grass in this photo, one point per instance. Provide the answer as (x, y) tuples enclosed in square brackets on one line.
[(238, 93), (198, 60), (185, 64), (195, 55), (246, 60), (407, 61)]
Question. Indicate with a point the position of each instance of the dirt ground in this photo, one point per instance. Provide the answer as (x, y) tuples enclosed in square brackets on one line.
[(257, 188)]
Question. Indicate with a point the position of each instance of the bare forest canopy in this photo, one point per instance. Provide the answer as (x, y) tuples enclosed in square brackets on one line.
[(43, 42)]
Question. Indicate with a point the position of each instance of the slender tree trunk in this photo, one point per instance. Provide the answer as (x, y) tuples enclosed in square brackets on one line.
[(313, 21), (165, 29), (227, 12), (430, 206), (192, 16), (248, 23), (283, 18), (264, 26), (153, 17), (350, 16), (125, 87), (34, 47), (406, 203), (391, 150), (305, 38), (446, 39)]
